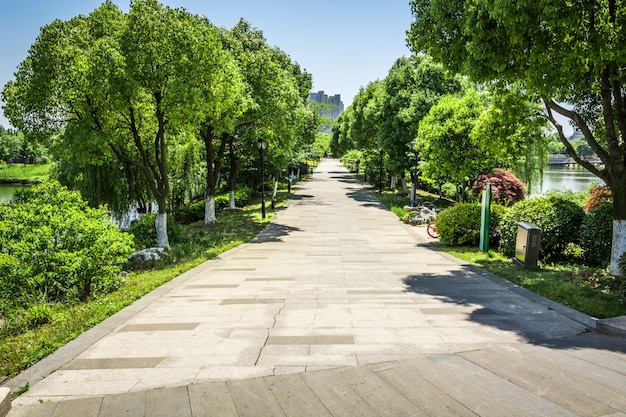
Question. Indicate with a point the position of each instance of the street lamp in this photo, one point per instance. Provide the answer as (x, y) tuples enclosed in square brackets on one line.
[(380, 173), (261, 145), (414, 187)]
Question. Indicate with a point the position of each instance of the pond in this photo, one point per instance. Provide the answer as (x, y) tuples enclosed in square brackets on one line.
[(7, 191), (573, 179)]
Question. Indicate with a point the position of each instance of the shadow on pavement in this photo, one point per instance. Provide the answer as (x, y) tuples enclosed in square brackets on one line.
[(489, 303), (367, 199), (274, 232)]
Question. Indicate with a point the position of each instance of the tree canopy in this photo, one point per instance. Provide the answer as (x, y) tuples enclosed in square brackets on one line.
[(126, 99), (566, 52)]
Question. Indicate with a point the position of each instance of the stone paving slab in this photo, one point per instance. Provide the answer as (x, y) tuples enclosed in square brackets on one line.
[(336, 308)]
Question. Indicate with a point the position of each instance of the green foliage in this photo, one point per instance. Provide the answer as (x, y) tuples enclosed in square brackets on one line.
[(596, 234), (145, 235), (55, 247), (559, 220), (460, 224), (447, 150)]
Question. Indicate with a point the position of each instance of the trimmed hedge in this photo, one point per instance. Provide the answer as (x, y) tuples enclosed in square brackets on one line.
[(559, 220), (460, 224)]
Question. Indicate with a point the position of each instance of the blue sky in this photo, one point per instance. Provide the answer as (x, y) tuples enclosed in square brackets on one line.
[(344, 44)]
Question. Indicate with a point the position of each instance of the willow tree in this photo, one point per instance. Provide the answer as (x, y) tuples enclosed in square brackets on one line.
[(275, 90), (116, 83), (566, 51)]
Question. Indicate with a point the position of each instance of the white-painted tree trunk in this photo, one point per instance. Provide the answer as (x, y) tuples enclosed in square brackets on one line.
[(161, 228), (233, 203), (209, 210), (619, 245)]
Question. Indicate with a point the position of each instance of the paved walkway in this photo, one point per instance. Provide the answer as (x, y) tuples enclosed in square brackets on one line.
[(336, 309)]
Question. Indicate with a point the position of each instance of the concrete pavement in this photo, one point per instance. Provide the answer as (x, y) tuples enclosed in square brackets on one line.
[(335, 309)]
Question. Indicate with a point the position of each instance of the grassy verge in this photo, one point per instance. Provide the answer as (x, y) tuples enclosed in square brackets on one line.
[(21, 173), (19, 351), (589, 290)]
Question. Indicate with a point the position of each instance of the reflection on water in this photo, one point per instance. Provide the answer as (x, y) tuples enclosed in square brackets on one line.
[(7, 191), (568, 179)]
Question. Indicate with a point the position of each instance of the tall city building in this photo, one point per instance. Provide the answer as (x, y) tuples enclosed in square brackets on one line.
[(333, 104)]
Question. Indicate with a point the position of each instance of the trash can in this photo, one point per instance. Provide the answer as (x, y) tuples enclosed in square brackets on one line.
[(527, 244)]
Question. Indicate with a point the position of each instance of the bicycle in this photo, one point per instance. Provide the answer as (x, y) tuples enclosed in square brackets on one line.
[(423, 215)]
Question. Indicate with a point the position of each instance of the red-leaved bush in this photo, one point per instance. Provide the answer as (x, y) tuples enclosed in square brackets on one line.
[(506, 188), (597, 196)]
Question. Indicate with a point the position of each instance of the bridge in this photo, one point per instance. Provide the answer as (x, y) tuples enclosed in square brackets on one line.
[(565, 161)]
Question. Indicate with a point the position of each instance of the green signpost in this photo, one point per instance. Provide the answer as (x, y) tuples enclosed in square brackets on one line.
[(485, 211)]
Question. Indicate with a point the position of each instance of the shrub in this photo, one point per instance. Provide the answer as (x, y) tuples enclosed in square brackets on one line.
[(194, 212), (596, 234), (191, 212), (55, 247), (506, 188), (460, 224), (597, 196), (559, 220), (144, 231)]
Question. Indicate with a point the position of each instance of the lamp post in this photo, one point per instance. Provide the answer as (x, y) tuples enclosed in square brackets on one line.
[(414, 179), (380, 173), (261, 145)]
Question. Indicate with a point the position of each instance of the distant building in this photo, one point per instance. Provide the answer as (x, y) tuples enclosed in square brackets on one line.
[(576, 135), (334, 105)]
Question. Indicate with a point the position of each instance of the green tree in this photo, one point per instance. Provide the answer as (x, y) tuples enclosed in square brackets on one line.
[(512, 133), (412, 86), (116, 83), (448, 150), (277, 92), (563, 51)]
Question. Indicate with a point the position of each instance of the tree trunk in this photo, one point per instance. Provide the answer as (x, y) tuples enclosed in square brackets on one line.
[(209, 210), (619, 246), (618, 188), (213, 168), (160, 225), (232, 177), (233, 203)]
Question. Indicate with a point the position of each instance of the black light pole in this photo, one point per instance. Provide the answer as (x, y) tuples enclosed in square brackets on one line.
[(261, 144)]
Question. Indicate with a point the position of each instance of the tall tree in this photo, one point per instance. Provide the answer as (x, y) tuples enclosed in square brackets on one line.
[(449, 151), (115, 82), (412, 86), (567, 52), (276, 90)]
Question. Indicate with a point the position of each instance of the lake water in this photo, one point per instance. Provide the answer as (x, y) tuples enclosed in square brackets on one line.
[(575, 179), (7, 191)]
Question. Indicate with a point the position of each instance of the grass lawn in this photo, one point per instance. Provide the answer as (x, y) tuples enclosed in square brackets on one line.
[(31, 173)]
